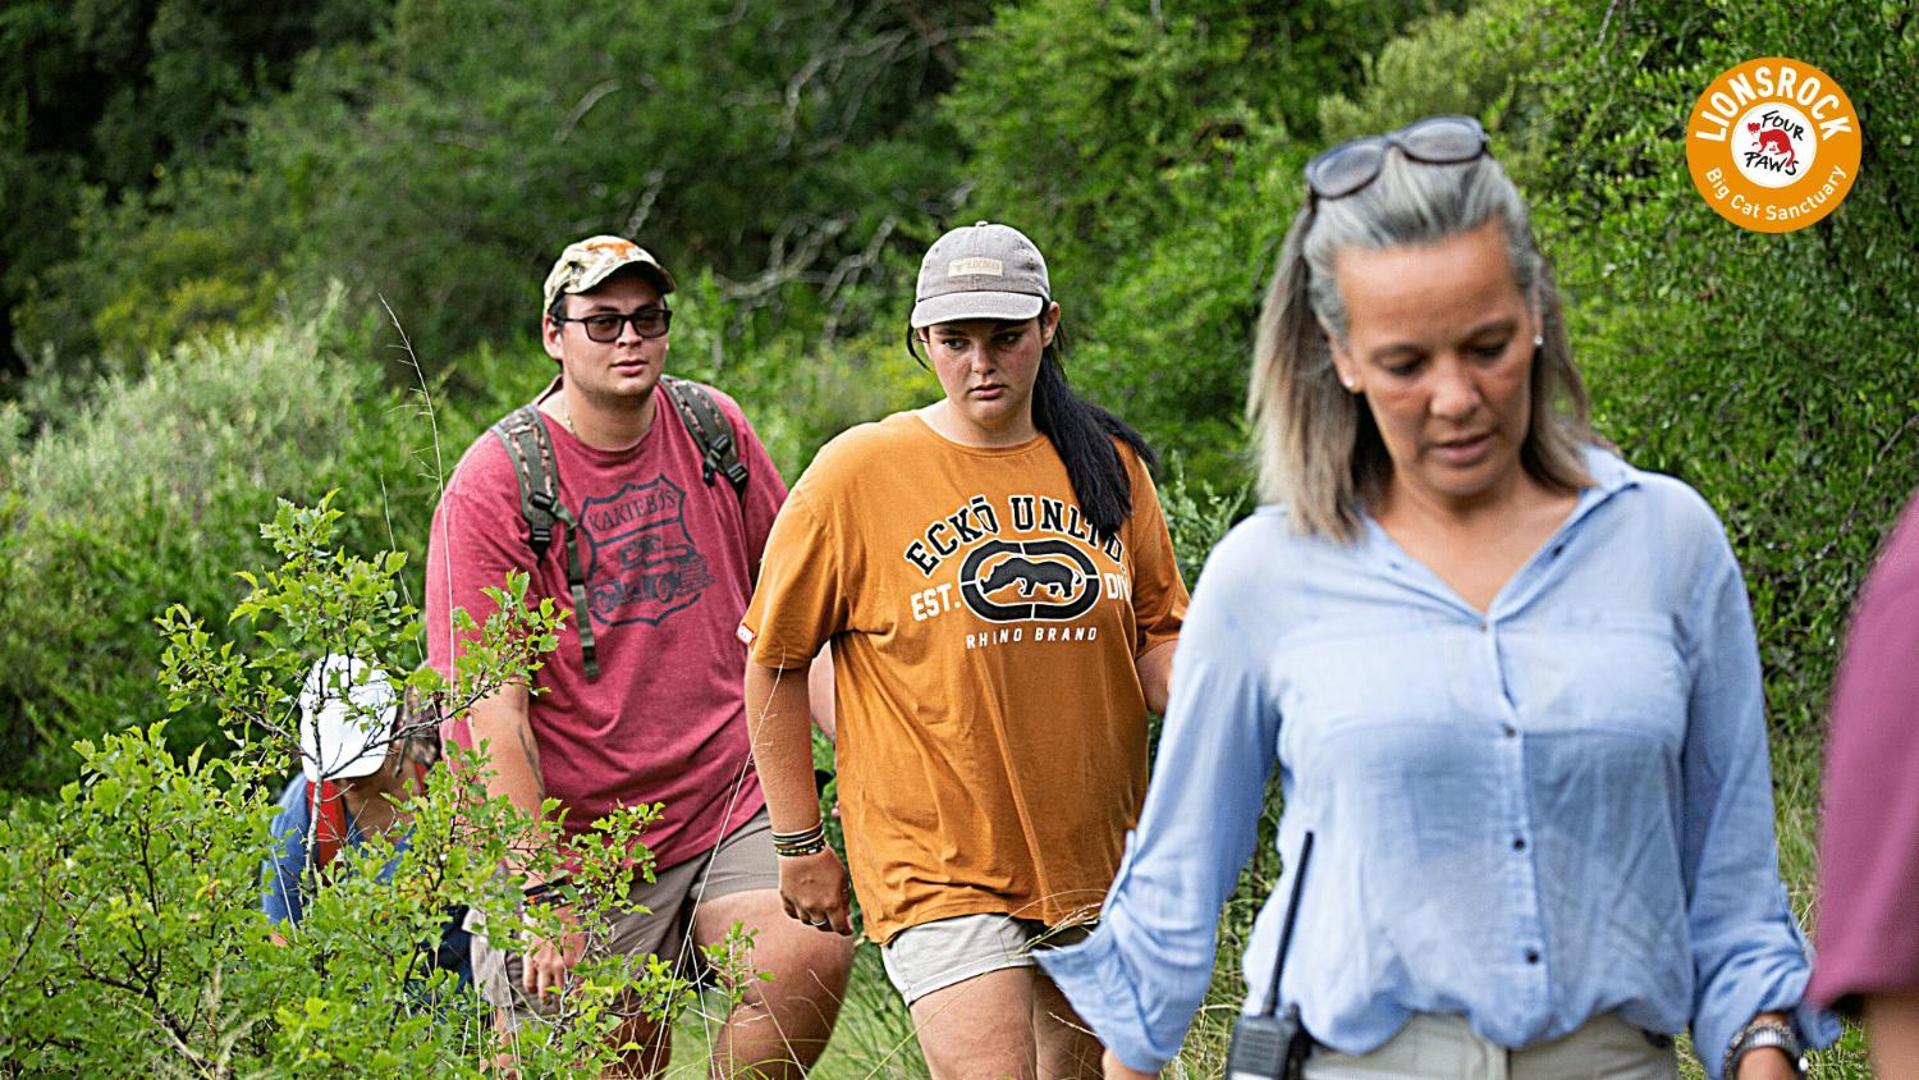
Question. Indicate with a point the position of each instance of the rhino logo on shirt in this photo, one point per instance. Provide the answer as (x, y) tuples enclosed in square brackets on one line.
[(1047, 580), (1057, 579)]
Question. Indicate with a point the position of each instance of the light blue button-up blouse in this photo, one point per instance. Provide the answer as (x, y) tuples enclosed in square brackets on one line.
[(1558, 808)]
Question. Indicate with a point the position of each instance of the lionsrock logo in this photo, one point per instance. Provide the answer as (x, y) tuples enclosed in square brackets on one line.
[(1773, 144)]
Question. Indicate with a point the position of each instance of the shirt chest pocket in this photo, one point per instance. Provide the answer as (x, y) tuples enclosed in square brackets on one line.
[(1408, 672), (1601, 670)]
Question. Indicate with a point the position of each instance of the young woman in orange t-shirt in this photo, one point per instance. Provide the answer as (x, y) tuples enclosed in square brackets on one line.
[(994, 668)]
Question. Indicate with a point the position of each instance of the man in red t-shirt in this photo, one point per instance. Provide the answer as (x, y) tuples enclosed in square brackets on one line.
[(669, 552)]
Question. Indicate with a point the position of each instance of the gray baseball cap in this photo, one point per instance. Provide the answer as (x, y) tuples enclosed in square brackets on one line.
[(981, 271)]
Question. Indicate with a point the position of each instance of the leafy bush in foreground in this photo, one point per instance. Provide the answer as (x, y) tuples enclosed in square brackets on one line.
[(131, 933)]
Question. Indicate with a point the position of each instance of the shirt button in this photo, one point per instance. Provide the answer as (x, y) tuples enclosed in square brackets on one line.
[(1519, 843), (1509, 731), (1532, 956), (1485, 627)]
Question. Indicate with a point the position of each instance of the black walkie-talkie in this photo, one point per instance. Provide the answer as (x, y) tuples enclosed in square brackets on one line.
[(1268, 1046)]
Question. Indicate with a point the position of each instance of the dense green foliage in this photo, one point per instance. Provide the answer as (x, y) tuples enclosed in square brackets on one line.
[(104, 100), (132, 930), (188, 184), (148, 497)]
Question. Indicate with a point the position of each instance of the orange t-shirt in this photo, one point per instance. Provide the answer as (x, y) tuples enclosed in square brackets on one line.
[(991, 727)]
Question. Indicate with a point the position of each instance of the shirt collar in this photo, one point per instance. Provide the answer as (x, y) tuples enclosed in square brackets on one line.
[(1610, 473)]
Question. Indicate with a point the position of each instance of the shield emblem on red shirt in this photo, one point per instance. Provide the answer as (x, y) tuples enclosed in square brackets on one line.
[(644, 565)]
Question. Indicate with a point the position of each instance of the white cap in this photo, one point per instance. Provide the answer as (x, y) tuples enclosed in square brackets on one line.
[(347, 709)]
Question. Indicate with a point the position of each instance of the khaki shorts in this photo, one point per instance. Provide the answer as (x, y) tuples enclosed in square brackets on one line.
[(1435, 1044), (743, 862), (935, 955)]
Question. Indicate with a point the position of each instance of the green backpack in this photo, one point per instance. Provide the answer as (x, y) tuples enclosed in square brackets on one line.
[(531, 451)]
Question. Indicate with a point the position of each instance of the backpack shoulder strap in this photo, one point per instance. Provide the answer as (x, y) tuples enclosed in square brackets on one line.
[(530, 450), (711, 431)]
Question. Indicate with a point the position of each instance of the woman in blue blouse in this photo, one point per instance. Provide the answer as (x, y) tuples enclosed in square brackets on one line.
[(1510, 683)]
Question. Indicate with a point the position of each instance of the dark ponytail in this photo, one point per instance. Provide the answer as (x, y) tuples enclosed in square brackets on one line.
[(1083, 433)]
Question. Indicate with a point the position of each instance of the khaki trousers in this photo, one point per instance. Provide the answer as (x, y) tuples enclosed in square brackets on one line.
[(1442, 1045)]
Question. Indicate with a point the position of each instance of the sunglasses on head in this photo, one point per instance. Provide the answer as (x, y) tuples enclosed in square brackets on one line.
[(1436, 140)]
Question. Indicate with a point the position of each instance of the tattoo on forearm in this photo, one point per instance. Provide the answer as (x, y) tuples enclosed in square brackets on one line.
[(532, 752)]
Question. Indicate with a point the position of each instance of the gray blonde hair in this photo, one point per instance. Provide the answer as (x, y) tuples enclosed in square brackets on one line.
[(1319, 451)]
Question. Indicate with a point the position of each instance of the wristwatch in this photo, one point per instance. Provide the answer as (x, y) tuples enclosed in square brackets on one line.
[(1758, 1035)]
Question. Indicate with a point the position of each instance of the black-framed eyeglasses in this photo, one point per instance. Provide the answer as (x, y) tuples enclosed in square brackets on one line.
[(1436, 140), (604, 327)]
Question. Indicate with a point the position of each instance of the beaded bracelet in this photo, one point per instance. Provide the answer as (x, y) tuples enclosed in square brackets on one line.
[(805, 842)]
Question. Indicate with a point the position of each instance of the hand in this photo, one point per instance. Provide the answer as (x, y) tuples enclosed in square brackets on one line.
[(1117, 1070), (813, 890), (548, 963), (1766, 1063)]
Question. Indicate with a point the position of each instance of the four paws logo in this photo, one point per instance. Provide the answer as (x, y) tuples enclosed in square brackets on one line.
[(1050, 580), (1773, 144)]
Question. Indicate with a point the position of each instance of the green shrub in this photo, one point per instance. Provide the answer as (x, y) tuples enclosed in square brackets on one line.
[(133, 933), (780, 145), (149, 496)]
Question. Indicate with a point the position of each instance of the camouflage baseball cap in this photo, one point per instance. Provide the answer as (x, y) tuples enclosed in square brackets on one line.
[(586, 263)]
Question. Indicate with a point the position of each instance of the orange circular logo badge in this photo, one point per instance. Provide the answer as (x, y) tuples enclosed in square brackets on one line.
[(1773, 144)]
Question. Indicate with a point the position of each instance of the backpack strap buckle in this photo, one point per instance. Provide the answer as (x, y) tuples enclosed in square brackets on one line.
[(720, 458)]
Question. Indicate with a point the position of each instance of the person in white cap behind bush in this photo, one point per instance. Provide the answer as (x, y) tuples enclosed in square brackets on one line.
[(356, 776)]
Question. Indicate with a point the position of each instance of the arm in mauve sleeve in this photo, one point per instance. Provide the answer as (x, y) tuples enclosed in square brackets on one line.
[(1139, 978), (477, 538), (1869, 836), (1748, 953), (1159, 595)]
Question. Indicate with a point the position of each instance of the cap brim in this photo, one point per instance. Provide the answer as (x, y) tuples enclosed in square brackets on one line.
[(956, 307), (341, 748), (365, 765)]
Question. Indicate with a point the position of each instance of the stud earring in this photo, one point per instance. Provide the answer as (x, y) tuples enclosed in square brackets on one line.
[(1539, 341)]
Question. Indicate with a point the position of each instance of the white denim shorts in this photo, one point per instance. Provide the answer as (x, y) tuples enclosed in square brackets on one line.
[(935, 955)]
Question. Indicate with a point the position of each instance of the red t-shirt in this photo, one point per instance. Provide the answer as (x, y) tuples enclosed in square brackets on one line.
[(670, 563)]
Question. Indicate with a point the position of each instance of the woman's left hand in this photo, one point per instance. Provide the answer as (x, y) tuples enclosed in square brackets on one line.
[(1116, 1069)]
